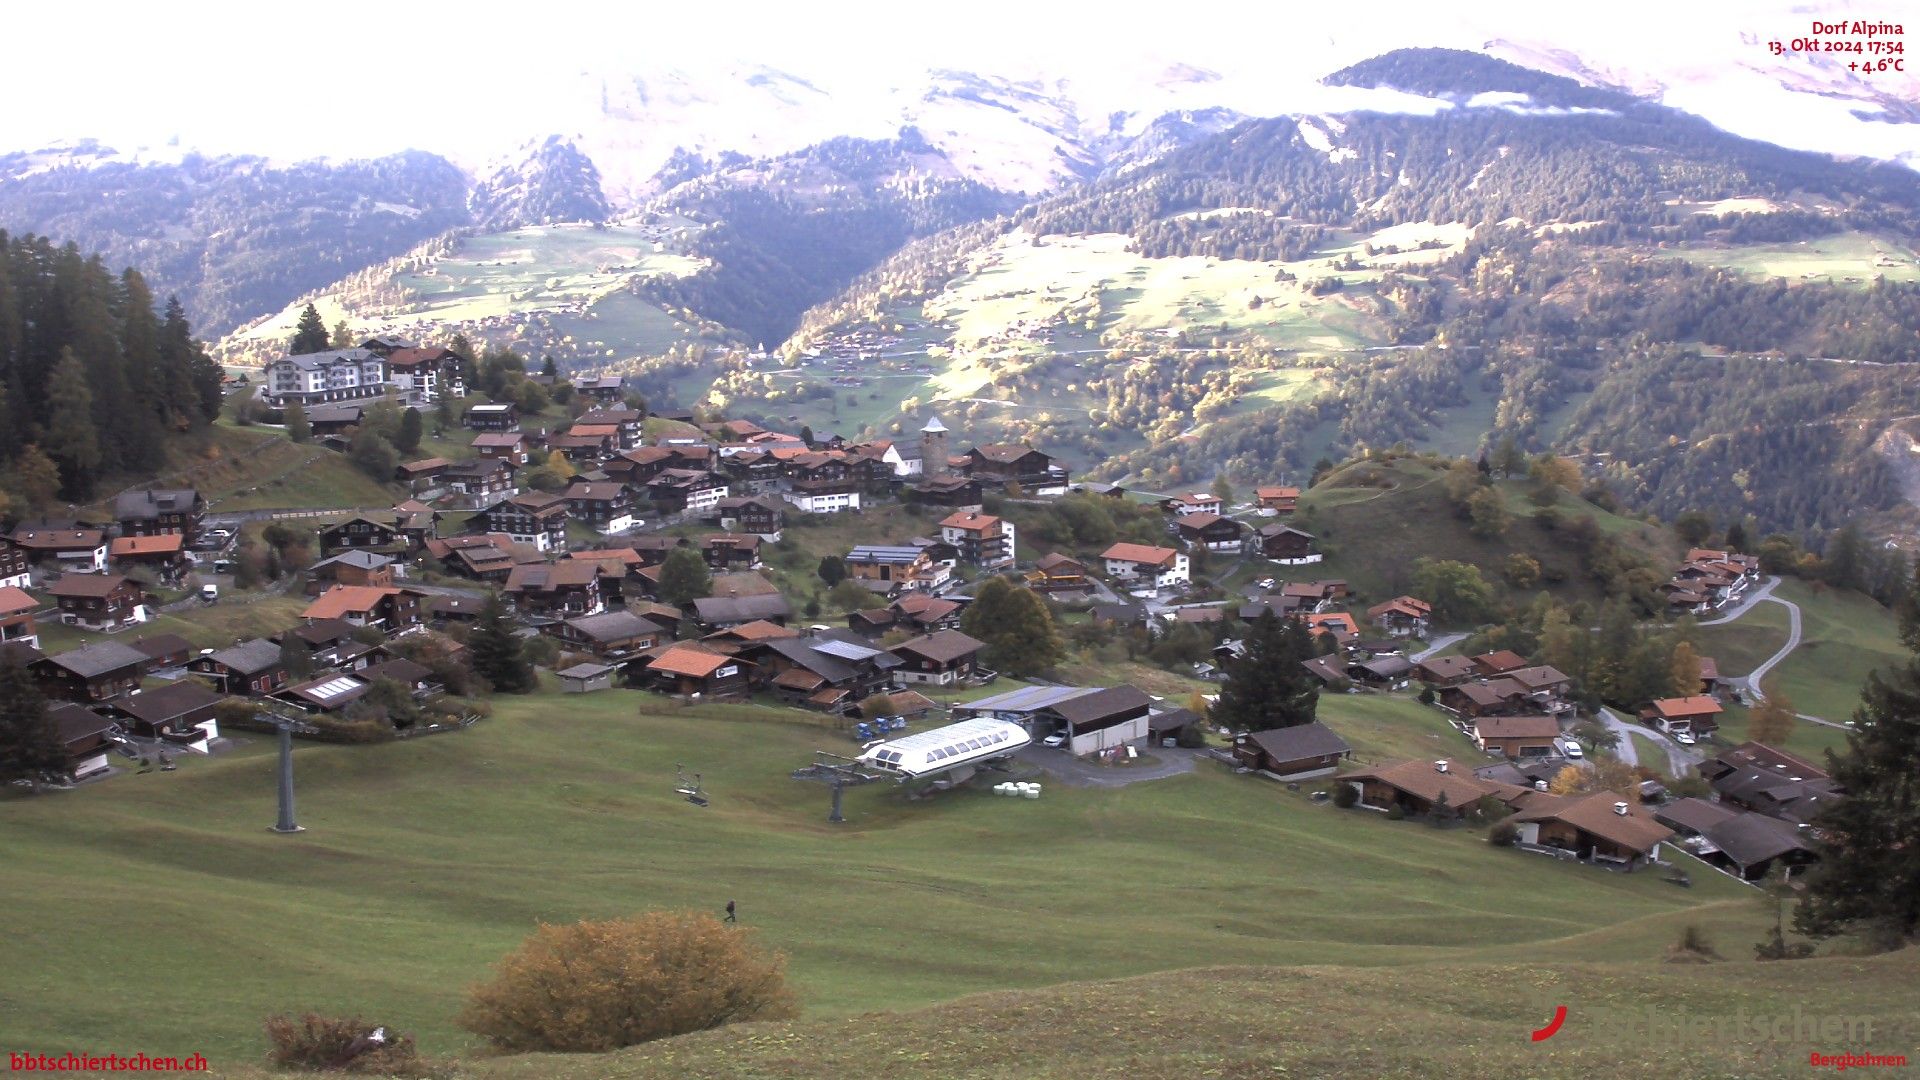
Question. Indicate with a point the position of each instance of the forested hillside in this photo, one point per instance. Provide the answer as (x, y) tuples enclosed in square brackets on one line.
[(93, 378), (235, 237)]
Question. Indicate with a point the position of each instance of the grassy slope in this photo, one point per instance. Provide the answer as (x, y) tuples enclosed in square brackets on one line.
[(427, 860), (246, 468), (1844, 638), (1375, 518), (1745, 643), (1843, 258), (1470, 1021)]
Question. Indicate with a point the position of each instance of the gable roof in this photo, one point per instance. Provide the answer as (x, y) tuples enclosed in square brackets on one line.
[(1752, 838), (1697, 705), (149, 503), (1597, 813), (87, 661), (1517, 727), (154, 646), (163, 703), (92, 585), (13, 601), (941, 646), (343, 600), (1499, 662), (1140, 553), (612, 625), (248, 657), (1087, 709), (1423, 780), (567, 573), (739, 609), (1300, 741), (687, 658)]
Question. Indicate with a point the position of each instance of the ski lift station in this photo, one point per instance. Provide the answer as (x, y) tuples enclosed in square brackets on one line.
[(946, 749)]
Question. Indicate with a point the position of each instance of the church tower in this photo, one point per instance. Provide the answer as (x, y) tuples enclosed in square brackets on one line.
[(933, 449)]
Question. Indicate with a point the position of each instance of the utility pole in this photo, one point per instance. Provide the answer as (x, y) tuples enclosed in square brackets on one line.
[(286, 823)]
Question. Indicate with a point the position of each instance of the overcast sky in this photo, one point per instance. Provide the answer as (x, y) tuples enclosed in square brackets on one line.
[(357, 78)]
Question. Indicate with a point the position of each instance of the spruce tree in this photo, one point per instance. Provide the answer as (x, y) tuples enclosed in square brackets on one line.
[(1868, 877), (71, 438), (832, 570), (1267, 685), (310, 334), (408, 440), (684, 577), (496, 654), (30, 747)]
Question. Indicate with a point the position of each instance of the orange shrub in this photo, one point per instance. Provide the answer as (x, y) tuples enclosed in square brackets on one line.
[(596, 986)]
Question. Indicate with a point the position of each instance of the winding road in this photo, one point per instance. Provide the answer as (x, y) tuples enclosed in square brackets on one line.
[(1751, 681), (1681, 761), (1439, 643)]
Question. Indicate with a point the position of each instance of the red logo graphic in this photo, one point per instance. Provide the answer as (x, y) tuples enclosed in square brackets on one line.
[(1553, 1025)]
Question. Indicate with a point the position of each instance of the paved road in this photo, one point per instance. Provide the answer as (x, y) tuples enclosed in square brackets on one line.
[(1763, 591), (1681, 761), (1760, 671), (1439, 643), (1071, 771)]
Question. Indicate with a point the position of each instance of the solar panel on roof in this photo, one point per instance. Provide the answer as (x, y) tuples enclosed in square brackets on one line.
[(333, 688), (845, 650)]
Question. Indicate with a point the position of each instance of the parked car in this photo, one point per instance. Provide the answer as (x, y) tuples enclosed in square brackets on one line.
[(1055, 740), (1572, 749), (1684, 738)]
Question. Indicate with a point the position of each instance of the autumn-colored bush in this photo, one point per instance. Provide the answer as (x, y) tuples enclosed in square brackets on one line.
[(596, 986), (333, 1044)]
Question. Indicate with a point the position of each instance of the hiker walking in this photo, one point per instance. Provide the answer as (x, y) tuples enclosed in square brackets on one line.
[(730, 915)]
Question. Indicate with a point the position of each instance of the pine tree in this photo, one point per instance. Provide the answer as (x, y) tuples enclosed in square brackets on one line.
[(411, 429), (374, 455), (1737, 536), (342, 335), (298, 427), (310, 334), (684, 577), (30, 747), (71, 438), (547, 368), (297, 655), (1016, 627), (1266, 685), (496, 654)]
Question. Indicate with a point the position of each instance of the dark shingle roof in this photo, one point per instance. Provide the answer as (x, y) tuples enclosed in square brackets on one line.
[(98, 658), (1300, 741)]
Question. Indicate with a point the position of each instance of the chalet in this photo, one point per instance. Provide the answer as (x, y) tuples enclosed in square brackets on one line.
[(721, 612), (1438, 671), (982, 539), (425, 478), (1709, 676), (641, 464), (1193, 502), (444, 608), (586, 445), (417, 679), (689, 669), (759, 517), (333, 375), (754, 472), (1402, 616), (605, 507), (1683, 598), (1498, 663), (731, 551), (16, 569), (512, 447), (493, 417), (692, 491), (1328, 669), (328, 693), (1546, 685), (1697, 715), (98, 672), (72, 551), (1210, 532), (824, 671), (1292, 753), (327, 641), (1749, 846), (1517, 736), (254, 668), (1747, 565), (1603, 827), (586, 678), (1277, 500), (417, 523), (99, 601), (536, 519), (823, 490), (1391, 671), (604, 388), (16, 617), (561, 590), (1336, 624), (393, 609), (1057, 573), (490, 557), (916, 612), (338, 420), (897, 568), (953, 492), (627, 423), (610, 634), (162, 651), (1486, 697), (481, 482), (166, 556), (160, 512), (359, 534), (178, 712), (1425, 787), (423, 375), (86, 737), (943, 657), (352, 567), (1772, 782), (1286, 545), (1007, 466), (1156, 566)]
